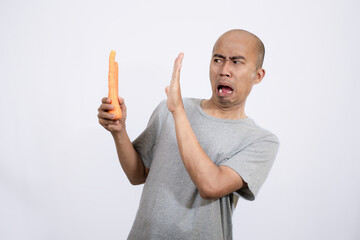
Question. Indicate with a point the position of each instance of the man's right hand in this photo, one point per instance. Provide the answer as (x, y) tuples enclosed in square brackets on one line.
[(107, 120)]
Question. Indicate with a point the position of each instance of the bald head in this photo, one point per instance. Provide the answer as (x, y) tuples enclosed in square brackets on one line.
[(251, 39)]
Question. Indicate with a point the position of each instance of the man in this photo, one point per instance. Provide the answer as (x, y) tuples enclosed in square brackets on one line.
[(196, 157)]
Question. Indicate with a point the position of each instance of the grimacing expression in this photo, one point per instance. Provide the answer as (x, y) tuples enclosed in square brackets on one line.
[(234, 68)]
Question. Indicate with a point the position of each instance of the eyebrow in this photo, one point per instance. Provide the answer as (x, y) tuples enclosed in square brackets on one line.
[(231, 58)]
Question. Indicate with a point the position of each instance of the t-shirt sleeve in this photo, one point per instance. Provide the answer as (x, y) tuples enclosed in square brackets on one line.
[(145, 143), (253, 164)]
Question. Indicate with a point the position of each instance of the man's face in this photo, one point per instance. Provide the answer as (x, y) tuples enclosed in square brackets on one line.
[(233, 69)]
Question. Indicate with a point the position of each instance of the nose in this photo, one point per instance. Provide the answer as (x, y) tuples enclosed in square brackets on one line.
[(225, 69)]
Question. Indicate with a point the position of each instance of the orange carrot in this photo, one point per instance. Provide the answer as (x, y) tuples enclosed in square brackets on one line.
[(113, 85)]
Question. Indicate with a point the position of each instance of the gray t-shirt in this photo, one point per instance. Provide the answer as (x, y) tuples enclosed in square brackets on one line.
[(170, 205)]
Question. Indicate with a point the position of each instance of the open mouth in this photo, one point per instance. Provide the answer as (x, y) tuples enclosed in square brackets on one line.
[(224, 90)]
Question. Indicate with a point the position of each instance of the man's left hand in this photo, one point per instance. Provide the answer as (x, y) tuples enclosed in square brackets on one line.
[(173, 92)]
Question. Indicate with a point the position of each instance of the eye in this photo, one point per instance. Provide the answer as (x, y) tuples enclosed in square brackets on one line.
[(237, 62), (217, 60)]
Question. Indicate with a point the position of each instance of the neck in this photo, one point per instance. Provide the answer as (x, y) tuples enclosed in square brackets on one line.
[(215, 109)]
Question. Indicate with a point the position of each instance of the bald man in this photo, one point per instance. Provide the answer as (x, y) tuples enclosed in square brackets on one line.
[(197, 157)]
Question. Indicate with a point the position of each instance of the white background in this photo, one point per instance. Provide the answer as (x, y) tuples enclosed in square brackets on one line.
[(59, 174)]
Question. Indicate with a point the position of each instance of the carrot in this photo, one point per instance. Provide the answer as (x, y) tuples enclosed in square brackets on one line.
[(113, 85)]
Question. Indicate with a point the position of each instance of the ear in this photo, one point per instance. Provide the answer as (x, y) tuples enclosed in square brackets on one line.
[(260, 74)]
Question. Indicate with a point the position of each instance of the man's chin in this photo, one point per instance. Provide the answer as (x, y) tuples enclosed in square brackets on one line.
[(223, 101)]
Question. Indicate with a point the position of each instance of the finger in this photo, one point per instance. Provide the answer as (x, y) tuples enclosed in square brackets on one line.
[(106, 116), (106, 100), (121, 100), (105, 107), (177, 63), (178, 60), (106, 122), (122, 107), (176, 71)]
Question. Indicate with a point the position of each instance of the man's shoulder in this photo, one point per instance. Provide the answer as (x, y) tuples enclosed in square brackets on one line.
[(261, 133)]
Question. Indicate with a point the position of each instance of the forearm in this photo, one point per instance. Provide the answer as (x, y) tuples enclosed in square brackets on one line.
[(203, 172), (129, 159), (211, 181)]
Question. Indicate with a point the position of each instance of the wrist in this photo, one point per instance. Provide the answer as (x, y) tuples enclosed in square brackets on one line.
[(119, 135), (179, 112)]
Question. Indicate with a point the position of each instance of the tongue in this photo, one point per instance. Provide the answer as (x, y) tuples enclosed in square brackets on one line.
[(225, 89)]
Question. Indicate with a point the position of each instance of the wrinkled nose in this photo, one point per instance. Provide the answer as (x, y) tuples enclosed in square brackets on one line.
[(225, 70)]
